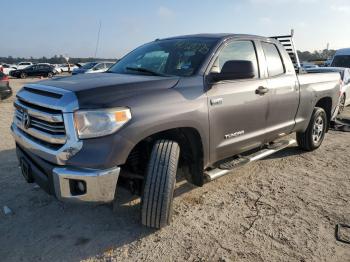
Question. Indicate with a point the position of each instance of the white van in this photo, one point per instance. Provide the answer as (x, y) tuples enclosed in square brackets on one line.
[(341, 58)]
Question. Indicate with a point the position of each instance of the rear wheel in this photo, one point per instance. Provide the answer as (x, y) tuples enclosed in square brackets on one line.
[(156, 207), (313, 137)]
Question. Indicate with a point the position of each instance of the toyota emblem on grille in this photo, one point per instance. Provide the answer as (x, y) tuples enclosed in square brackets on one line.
[(26, 120)]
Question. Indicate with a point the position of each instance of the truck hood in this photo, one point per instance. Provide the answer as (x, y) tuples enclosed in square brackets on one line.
[(105, 89)]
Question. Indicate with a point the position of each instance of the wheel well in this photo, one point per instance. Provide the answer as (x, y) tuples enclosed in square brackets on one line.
[(326, 104), (191, 153)]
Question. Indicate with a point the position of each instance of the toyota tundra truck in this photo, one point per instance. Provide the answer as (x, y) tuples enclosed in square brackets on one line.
[(205, 104)]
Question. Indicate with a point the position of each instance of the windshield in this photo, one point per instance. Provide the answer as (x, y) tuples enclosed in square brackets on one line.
[(176, 57), (341, 61), (89, 65)]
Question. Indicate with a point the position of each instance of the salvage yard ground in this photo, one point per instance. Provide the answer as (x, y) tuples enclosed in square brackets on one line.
[(283, 208)]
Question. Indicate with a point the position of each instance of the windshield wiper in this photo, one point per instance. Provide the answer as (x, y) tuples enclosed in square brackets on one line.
[(144, 70)]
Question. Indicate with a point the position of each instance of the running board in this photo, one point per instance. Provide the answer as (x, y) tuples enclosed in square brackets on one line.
[(227, 167)]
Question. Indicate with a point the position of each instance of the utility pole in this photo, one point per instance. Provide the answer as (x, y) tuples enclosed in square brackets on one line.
[(98, 38)]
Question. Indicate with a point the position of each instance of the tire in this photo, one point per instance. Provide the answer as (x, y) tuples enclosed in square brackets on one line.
[(313, 137), (342, 104), (23, 75), (157, 199), (49, 75)]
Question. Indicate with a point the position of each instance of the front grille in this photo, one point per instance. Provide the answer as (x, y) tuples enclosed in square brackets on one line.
[(41, 124)]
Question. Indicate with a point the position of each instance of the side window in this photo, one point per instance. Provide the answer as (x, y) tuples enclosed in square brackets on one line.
[(99, 66), (238, 50), (108, 65), (274, 62)]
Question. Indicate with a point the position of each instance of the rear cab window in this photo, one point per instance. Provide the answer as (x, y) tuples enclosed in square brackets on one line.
[(341, 61), (275, 66)]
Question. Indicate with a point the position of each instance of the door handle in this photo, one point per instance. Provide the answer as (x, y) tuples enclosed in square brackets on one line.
[(261, 90)]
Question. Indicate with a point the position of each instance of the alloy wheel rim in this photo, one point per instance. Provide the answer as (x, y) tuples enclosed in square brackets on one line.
[(317, 131)]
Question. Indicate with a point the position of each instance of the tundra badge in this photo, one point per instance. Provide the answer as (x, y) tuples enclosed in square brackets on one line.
[(216, 101), (235, 134)]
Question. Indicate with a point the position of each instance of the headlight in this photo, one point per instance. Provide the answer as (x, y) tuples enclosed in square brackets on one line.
[(100, 122)]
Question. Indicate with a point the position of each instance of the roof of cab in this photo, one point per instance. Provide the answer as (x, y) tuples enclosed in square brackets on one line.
[(344, 51), (219, 36)]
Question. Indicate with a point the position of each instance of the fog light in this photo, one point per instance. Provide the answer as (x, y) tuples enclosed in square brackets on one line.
[(81, 186), (77, 187)]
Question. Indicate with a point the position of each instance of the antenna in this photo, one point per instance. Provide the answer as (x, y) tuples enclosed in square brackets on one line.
[(98, 38)]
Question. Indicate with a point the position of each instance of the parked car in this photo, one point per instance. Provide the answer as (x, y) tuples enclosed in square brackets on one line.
[(341, 58), (57, 68), (344, 99), (307, 65), (205, 103), (93, 67), (328, 62), (8, 68), (23, 65), (66, 68), (5, 89), (35, 70)]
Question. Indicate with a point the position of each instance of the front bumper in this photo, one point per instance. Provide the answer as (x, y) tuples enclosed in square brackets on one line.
[(99, 185)]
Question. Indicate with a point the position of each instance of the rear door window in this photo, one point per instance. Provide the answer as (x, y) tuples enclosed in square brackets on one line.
[(274, 61)]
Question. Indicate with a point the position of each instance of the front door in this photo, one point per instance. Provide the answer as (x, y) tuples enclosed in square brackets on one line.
[(237, 114)]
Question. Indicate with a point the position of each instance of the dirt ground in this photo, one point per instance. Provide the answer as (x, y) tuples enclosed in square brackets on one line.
[(283, 208)]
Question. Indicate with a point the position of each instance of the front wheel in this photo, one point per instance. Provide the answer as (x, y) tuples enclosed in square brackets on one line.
[(23, 75), (156, 207), (49, 75), (313, 136)]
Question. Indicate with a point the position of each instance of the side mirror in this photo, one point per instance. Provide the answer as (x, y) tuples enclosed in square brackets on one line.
[(234, 69)]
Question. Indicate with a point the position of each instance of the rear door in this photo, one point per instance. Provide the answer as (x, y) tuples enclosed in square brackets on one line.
[(41, 70), (31, 70), (283, 92), (237, 114)]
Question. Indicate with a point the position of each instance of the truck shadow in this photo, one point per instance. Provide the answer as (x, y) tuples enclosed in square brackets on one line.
[(42, 228), (287, 152)]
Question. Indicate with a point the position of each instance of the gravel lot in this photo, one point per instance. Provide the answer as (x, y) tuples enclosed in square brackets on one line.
[(283, 208)]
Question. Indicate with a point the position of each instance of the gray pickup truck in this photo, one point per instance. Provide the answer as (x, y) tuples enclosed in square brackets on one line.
[(203, 103)]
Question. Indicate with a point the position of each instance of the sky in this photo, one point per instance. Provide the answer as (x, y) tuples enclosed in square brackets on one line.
[(70, 27)]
